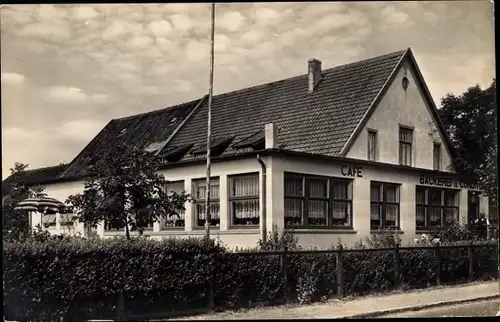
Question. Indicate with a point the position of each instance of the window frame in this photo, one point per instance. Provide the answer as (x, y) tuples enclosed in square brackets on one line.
[(202, 201), (163, 220), (405, 143), (305, 198), (426, 206), (374, 133), (436, 147), (52, 223), (231, 199), (384, 203)]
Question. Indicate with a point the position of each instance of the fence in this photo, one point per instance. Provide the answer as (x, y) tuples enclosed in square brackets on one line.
[(198, 282)]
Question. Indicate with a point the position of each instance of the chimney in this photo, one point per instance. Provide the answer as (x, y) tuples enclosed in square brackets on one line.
[(271, 136), (314, 73)]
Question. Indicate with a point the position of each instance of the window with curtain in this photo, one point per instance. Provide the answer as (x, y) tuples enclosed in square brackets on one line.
[(384, 205), (317, 202), (199, 195), (372, 145), (175, 220), (436, 207), (244, 199), (405, 145), (437, 156)]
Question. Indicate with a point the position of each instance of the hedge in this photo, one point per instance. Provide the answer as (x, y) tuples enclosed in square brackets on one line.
[(78, 279)]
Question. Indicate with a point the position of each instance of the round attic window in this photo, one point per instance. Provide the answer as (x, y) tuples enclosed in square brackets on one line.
[(405, 83)]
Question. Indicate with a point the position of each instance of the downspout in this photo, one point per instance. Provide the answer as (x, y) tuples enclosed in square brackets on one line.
[(264, 217)]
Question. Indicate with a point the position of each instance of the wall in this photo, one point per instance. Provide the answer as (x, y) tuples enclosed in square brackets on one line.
[(406, 108), (361, 195), (233, 237), (276, 168)]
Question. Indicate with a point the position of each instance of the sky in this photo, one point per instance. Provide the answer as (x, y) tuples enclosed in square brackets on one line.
[(67, 70)]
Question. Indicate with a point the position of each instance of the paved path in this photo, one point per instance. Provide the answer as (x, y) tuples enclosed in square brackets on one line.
[(482, 308), (367, 306)]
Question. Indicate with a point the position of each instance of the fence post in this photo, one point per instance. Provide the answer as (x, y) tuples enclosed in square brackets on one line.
[(397, 266), (471, 262), (437, 254), (284, 273), (340, 277)]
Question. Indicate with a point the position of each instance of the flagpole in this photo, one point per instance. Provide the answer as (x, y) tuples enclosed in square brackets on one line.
[(209, 124)]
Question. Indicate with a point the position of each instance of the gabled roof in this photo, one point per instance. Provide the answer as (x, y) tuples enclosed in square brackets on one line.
[(320, 122), (324, 122), (35, 176), (148, 130)]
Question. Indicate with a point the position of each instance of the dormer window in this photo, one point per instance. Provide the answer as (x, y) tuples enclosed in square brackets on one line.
[(123, 131)]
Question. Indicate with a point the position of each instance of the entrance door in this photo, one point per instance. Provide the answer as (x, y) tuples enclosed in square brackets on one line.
[(473, 206)]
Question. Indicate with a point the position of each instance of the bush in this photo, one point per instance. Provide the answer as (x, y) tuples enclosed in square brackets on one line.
[(47, 278), (455, 232)]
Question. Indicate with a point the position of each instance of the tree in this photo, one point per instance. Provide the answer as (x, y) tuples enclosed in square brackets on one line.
[(16, 222), (470, 119), (125, 189)]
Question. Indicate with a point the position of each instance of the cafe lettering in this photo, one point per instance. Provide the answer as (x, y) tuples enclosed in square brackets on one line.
[(447, 182)]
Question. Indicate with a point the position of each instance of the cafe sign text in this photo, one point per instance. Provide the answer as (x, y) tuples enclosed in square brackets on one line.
[(447, 182)]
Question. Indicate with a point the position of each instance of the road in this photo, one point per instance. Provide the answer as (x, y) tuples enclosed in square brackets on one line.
[(484, 308)]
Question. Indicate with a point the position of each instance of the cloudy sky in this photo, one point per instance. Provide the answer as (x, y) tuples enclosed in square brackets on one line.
[(67, 70)]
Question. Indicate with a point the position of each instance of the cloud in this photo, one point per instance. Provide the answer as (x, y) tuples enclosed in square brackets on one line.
[(252, 37), (267, 17), (65, 94), (221, 43), (12, 78), (181, 22), (80, 130), (392, 16), (230, 21), (196, 51), (160, 28), (84, 13)]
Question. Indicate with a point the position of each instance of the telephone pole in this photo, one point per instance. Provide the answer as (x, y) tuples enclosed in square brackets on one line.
[(209, 125)]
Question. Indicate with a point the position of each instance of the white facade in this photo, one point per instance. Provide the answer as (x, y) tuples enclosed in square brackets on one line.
[(415, 186)]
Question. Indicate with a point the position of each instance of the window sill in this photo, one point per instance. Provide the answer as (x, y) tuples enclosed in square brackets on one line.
[(322, 231), (396, 231), (424, 231), (201, 232)]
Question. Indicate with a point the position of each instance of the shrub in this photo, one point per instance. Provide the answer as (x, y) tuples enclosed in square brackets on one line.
[(49, 278), (276, 241), (454, 232)]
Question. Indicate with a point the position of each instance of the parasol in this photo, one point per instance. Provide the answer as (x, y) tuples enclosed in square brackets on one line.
[(43, 205)]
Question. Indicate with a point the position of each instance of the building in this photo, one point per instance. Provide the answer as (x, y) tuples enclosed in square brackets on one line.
[(337, 153)]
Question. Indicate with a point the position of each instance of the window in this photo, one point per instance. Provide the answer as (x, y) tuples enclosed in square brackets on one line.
[(436, 207), (384, 205), (49, 220), (199, 195), (175, 220), (66, 219), (405, 145), (113, 225), (244, 199), (437, 156), (372, 145), (317, 202)]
